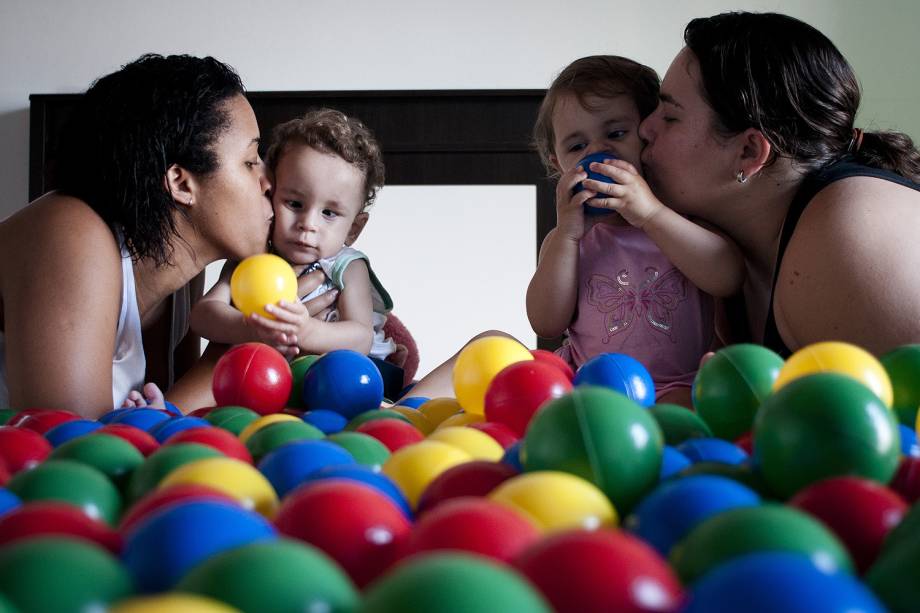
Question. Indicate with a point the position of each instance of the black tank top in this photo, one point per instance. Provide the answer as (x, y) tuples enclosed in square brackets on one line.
[(813, 184)]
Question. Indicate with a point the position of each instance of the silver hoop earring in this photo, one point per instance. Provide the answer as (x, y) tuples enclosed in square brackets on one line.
[(189, 203), (741, 178)]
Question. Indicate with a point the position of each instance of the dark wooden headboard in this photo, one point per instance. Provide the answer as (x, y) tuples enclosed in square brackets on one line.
[(428, 137)]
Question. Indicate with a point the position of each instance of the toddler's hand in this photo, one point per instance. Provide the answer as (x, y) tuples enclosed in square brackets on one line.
[(279, 333), (630, 196), (570, 215), (151, 397)]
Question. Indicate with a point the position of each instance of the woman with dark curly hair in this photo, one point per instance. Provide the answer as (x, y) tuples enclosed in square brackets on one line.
[(159, 175), (755, 134)]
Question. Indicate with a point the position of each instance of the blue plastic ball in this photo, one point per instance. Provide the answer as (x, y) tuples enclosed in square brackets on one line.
[(779, 581), (909, 445), (712, 450), (108, 417), (173, 409), (413, 401), (327, 422), (512, 456), (367, 476), (143, 418), (621, 373), (161, 549), (8, 500), (68, 430), (585, 163), (343, 381), (674, 508), (672, 462), (289, 465), (164, 430)]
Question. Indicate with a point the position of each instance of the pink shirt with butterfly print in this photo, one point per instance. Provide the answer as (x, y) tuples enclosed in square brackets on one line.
[(632, 300)]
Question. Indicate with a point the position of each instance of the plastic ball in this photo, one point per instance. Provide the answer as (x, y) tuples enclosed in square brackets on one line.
[(512, 456), (906, 481), (365, 449), (366, 476), (214, 437), (56, 518), (548, 357), (732, 384), (289, 465), (415, 417), (260, 280), (743, 473), (158, 551), (167, 497), (232, 419), (556, 501), (581, 572), (841, 358), (299, 368), (343, 381), (355, 524), (375, 414), (672, 462), (43, 421), (415, 466), (585, 163), (745, 530), (240, 480), (61, 574), (500, 433), (70, 482), (620, 373), (519, 389), (439, 409), (476, 478), (452, 583), (162, 462), (144, 418), (114, 457), (328, 422), (172, 602), (70, 430), (22, 449), (141, 440), (679, 423), (478, 363), (824, 425), (8, 501), (412, 401), (892, 576), (474, 525), (861, 513), (393, 433), (766, 582), (909, 445), (712, 450), (252, 375), (903, 368), (675, 508), (601, 436), (264, 422), (266, 440), (163, 431), (278, 575), (461, 419), (479, 445)]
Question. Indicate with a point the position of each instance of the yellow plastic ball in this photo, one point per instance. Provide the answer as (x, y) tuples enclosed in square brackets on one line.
[(478, 444), (265, 420), (413, 467), (556, 501), (460, 419), (173, 603), (439, 409), (415, 417), (233, 477), (838, 357), (262, 279), (477, 365)]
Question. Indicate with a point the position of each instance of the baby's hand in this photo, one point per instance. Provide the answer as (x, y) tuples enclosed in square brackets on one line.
[(630, 196), (297, 317), (279, 333), (570, 215)]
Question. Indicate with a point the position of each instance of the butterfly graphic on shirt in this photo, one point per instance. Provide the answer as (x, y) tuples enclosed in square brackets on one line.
[(626, 302)]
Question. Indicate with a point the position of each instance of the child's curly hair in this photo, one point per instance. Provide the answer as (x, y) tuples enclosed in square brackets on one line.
[(331, 131)]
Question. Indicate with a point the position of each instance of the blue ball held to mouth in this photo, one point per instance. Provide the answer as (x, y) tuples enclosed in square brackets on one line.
[(585, 163)]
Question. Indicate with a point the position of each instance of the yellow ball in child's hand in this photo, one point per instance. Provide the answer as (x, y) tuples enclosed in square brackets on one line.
[(262, 279)]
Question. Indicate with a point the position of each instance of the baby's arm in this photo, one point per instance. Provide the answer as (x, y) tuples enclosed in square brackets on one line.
[(553, 291), (710, 260), (355, 326)]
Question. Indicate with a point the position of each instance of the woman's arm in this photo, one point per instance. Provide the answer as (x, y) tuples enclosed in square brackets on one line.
[(61, 288), (851, 271)]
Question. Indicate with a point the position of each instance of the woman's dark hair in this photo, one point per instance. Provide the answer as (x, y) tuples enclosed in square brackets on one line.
[(785, 78), (601, 76), (130, 127)]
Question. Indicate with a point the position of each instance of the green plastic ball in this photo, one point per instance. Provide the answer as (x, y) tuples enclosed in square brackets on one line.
[(678, 423), (61, 575), (273, 577), (373, 414), (232, 419), (601, 436), (903, 368), (364, 449), (6, 415), (452, 583), (824, 425), (70, 482), (113, 456), (732, 384), (267, 439), (163, 461), (299, 368), (770, 527), (893, 576)]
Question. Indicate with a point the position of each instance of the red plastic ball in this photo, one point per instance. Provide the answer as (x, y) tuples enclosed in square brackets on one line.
[(174, 494), (252, 375), (21, 416), (519, 389), (583, 571), (906, 481), (4, 473), (394, 433), (357, 526), (46, 518), (476, 525), (142, 441), (43, 421), (502, 434), (860, 512), (21, 448), (476, 478), (548, 357), (746, 442), (218, 438)]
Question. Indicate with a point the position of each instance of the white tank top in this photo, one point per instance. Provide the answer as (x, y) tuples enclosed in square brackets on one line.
[(128, 363)]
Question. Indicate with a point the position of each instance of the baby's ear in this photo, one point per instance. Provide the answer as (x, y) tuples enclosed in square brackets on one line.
[(356, 226)]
